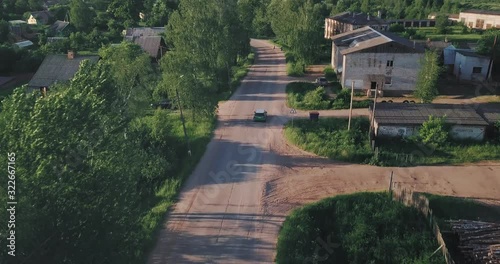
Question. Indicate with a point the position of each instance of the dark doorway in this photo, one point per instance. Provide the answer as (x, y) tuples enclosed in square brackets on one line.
[(373, 85)]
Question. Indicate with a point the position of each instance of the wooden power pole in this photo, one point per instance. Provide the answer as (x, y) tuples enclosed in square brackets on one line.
[(350, 107)]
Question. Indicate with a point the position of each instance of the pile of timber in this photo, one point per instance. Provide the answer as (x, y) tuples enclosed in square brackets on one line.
[(479, 241)]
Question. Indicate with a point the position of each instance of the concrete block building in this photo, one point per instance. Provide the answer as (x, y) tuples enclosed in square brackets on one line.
[(376, 60), (480, 19), (405, 120)]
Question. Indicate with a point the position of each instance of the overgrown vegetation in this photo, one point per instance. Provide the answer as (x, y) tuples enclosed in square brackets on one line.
[(357, 228), (329, 138), (308, 96), (426, 86), (330, 74), (98, 167), (447, 207)]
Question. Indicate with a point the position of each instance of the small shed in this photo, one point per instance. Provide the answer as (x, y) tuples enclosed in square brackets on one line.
[(404, 120), (23, 44), (471, 66)]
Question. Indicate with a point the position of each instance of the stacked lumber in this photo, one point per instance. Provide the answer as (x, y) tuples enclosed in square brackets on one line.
[(479, 241)]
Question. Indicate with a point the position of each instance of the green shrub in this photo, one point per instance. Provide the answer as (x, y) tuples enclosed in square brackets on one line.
[(357, 228), (307, 96), (329, 138), (330, 74), (434, 131), (295, 69), (396, 28)]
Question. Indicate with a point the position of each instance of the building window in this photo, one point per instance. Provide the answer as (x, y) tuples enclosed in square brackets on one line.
[(479, 23), (388, 80), (477, 69), (488, 26), (462, 20), (471, 24), (390, 63)]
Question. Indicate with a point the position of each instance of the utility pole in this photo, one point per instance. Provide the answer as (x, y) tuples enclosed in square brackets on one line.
[(373, 111), (183, 122), (350, 107), (490, 66)]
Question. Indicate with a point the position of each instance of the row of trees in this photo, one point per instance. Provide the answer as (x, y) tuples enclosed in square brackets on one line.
[(89, 159)]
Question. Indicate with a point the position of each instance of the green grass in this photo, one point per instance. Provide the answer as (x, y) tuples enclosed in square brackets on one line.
[(308, 96), (294, 69), (455, 35), (447, 208), (200, 134), (329, 138), (357, 228), (392, 152)]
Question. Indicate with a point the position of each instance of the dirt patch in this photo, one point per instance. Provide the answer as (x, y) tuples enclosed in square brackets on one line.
[(304, 178)]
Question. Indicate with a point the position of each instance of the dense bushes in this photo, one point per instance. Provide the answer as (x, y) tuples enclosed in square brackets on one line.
[(359, 228), (329, 137), (295, 69), (308, 96), (330, 74)]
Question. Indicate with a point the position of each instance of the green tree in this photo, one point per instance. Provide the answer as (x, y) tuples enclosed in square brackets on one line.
[(426, 86), (4, 31), (81, 15), (79, 172), (133, 75), (205, 45), (442, 24), (487, 41), (434, 132)]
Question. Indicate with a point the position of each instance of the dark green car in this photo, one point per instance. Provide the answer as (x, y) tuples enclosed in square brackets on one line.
[(260, 115)]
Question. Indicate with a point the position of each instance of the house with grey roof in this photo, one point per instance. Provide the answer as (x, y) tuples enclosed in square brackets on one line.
[(59, 29), (348, 21), (150, 40), (405, 120), (373, 60), (57, 68)]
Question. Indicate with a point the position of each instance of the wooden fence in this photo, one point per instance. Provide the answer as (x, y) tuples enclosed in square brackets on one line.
[(420, 202)]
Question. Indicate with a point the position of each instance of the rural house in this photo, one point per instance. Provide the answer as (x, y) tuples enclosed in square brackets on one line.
[(57, 68), (39, 18), (480, 19), (348, 21), (149, 39), (376, 60), (471, 66), (404, 120), (59, 29), (491, 114)]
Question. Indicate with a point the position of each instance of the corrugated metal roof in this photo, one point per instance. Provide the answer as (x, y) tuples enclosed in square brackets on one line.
[(490, 112), (471, 53), (358, 19), (416, 114), (150, 44), (482, 12), (367, 37), (55, 68)]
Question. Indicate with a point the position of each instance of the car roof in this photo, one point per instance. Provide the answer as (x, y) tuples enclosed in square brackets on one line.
[(260, 111)]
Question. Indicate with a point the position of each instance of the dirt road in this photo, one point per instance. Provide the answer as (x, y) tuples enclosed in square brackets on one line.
[(233, 204)]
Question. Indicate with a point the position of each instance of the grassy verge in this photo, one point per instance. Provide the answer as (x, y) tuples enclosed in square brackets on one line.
[(394, 152), (358, 228), (239, 72), (447, 207), (200, 133), (329, 138), (308, 96)]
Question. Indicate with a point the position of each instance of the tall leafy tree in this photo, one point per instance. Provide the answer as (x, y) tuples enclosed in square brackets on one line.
[(81, 15), (78, 172), (206, 41), (426, 86)]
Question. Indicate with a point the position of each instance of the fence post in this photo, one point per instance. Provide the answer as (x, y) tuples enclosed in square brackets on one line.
[(390, 184)]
